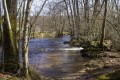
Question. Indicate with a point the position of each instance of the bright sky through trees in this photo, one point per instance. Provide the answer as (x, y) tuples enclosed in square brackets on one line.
[(37, 5)]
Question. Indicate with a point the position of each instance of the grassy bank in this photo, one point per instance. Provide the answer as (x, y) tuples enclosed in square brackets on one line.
[(45, 34)]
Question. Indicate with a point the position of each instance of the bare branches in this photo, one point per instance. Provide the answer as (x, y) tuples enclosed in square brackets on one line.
[(38, 13)]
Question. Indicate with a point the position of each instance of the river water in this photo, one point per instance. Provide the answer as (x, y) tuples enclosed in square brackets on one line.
[(52, 58)]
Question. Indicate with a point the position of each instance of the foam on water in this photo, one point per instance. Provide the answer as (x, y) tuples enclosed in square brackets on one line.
[(74, 48), (66, 49)]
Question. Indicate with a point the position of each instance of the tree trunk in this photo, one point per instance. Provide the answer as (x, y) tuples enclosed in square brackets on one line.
[(86, 17), (0, 25), (72, 19), (25, 40), (103, 26), (11, 54), (95, 11), (68, 16), (1, 34), (77, 19)]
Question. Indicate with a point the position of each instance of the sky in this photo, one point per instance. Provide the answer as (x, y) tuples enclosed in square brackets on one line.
[(37, 5)]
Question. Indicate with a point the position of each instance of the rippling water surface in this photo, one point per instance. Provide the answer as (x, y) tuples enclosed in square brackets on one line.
[(53, 58)]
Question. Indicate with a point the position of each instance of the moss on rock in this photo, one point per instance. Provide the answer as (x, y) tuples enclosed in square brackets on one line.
[(92, 49), (103, 77), (110, 76)]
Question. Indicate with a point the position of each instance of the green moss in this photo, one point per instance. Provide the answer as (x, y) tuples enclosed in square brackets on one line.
[(103, 77), (1, 20), (110, 76), (115, 75)]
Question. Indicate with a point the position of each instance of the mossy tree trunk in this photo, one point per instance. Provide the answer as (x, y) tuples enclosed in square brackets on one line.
[(10, 48)]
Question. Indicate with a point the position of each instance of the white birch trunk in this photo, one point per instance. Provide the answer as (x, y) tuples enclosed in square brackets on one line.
[(25, 40)]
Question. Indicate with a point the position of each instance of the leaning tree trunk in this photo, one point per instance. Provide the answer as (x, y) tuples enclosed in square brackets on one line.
[(11, 56), (25, 40)]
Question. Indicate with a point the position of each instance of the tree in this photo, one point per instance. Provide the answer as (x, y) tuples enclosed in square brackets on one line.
[(103, 25), (25, 39), (10, 44), (73, 17), (95, 11), (86, 17), (0, 25), (68, 16)]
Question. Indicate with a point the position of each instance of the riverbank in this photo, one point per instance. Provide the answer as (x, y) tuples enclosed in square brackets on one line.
[(33, 74), (45, 34), (107, 63), (6, 76)]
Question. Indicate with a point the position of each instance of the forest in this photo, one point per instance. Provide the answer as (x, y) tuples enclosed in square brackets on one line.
[(59, 39)]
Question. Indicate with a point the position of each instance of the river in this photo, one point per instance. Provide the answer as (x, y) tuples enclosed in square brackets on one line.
[(52, 58)]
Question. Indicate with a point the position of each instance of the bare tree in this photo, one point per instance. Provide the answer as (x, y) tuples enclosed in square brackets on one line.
[(25, 39), (103, 25)]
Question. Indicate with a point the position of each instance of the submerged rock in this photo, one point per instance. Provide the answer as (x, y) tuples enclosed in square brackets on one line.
[(66, 42)]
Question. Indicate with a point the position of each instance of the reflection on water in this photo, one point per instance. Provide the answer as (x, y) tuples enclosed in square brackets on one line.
[(45, 54)]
